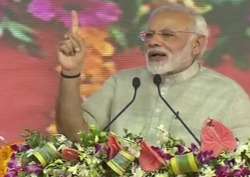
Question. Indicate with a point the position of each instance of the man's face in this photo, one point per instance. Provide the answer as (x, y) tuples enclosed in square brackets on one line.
[(169, 43)]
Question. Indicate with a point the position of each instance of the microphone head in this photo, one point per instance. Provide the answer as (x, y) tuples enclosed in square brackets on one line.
[(157, 79), (136, 82)]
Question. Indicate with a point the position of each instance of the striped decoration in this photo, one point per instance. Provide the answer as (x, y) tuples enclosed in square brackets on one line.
[(182, 164), (121, 162), (45, 154)]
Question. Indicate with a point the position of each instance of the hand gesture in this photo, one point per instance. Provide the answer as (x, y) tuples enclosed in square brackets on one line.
[(72, 49)]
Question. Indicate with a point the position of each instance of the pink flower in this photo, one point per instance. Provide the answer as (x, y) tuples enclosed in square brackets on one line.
[(113, 146), (91, 12), (217, 138), (149, 159)]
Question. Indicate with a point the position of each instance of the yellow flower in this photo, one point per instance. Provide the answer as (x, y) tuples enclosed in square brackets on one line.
[(198, 7), (5, 155), (52, 129)]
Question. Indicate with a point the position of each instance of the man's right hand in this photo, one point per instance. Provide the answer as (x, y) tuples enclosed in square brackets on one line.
[(71, 50)]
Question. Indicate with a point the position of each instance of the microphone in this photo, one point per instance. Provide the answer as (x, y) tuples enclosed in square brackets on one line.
[(136, 84), (157, 82)]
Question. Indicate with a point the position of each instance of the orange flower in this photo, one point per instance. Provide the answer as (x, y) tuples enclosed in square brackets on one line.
[(98, 66), (96, 38), (87, 89)]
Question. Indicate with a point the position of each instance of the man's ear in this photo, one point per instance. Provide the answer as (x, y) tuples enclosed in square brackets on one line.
[(198, 44)]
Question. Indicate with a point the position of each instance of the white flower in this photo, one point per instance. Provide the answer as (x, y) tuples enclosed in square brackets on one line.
[(161, 127), (73, 169), (161, 175), (134, 150), (207, 172), (242, 148), (83, 171), (79, 147), (137, 172), (162, 130), (33, 175), (239, 162), (61, 138), (162, 135)]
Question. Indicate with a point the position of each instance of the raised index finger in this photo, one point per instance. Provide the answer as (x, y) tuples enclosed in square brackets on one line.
[(75, 22)]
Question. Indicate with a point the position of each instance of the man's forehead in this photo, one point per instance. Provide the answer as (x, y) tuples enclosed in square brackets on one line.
[(170, 20)]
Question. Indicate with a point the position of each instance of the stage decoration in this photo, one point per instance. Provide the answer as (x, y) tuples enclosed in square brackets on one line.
[(91, 13), (20, 20), (107, 154), (23, 23)]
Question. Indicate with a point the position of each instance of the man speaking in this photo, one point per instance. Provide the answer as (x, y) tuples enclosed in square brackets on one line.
[(175, 39)]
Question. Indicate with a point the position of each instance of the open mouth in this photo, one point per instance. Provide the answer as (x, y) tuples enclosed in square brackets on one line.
[(156, 55)]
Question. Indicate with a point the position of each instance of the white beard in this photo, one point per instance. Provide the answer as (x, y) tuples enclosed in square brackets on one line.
[(172, 63)]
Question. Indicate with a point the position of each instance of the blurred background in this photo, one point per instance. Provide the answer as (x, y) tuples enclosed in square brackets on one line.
[(31, 29)]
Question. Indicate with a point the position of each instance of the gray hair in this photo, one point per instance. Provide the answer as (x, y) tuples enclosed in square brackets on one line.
[(200, 25)]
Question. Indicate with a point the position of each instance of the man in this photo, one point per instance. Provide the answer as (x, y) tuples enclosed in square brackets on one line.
[(175, 39)]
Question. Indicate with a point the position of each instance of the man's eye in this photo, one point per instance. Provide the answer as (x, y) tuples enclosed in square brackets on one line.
[(149, 35), (167, 34)]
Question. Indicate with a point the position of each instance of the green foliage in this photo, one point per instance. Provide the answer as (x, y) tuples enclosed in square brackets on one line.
[(133, 21), (222, 2), (34, 139), (94, 136), (232, 18), (17, 30), (119, 36)]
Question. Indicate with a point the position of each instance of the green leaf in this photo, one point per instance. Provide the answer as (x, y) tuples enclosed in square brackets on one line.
[(247, 32), (94, 136), (1, 29), (20, 31), (119, 36), (22, 174), (221, 2), (34, 139)]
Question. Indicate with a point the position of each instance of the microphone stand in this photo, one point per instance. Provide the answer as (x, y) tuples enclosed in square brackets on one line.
[(136, 85), (157, 81)]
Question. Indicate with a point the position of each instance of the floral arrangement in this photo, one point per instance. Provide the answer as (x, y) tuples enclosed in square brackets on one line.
[(106, 154)]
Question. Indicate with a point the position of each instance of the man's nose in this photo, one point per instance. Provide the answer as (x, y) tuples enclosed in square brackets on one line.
[(155, 41)]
